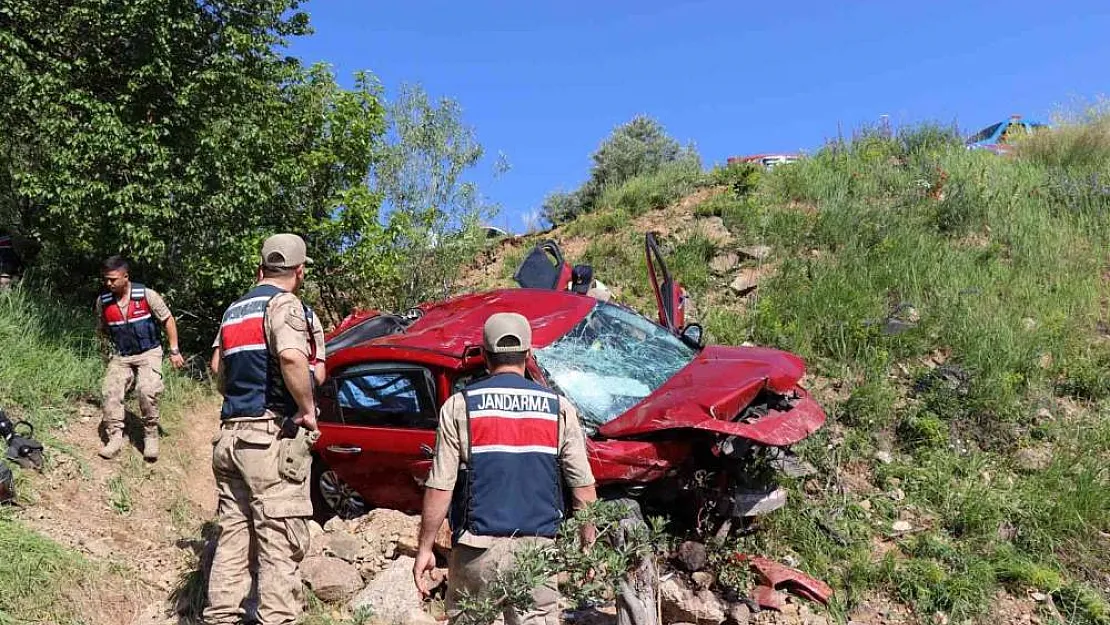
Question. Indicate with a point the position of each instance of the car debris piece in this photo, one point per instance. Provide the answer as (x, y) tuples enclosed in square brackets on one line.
[(789, 464), (757, 503), (768, 598), (776, 576)]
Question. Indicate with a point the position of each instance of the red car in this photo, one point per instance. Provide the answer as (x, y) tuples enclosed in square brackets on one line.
[(671, 423)]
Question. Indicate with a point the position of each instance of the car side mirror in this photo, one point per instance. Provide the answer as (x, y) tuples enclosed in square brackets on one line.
[(692, 335)]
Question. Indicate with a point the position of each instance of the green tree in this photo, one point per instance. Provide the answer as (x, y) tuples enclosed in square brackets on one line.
[(433, 211), (638, 147), (174, 131)]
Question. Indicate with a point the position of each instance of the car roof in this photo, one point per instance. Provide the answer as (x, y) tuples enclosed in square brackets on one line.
[(451, 326)]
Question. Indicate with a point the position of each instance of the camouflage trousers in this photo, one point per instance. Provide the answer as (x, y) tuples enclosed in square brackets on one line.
[(145, 370), (470, 569), (263, 507)]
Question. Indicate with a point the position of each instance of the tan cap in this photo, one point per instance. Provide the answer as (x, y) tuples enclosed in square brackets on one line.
[(500, 326), (284, 251)]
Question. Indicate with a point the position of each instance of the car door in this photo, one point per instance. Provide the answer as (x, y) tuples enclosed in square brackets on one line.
[(544, 268), (670, 297), (381, 438)]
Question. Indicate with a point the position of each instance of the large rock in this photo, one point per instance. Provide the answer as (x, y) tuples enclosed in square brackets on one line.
[(330, 579), (392, 594), (724, 263), (389, 531), (692, 556), (680, 604), (344, 546), (1033, 459)]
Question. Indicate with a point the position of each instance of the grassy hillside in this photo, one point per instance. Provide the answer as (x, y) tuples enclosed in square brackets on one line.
[(952, 308)]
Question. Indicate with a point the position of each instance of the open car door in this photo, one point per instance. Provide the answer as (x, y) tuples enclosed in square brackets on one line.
[(669, 295), (544, 268)]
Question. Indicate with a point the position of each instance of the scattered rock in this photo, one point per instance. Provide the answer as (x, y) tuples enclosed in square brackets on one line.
[(391, 594), (739, 614), (680, 604), (330, 579), (343, 546), (715, 230), (747, 280), (758, 252), (897, 494), (1044, 414), (724, 263), (334, 524), (884, 457), (417, 616), (1033, 459), (901, 526), (1039, 597), (315, 539), (1029, 324), (704, 580), (390, 529), (1045, 361), (894, 327), (692, 556), (865, 504)]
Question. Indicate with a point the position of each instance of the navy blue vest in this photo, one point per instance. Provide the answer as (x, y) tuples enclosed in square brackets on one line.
[(512, 485), (252, 377), (133, 331)]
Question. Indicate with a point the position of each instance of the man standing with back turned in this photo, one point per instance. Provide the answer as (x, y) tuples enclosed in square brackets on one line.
[(126, 315), (261, 455), (505, 447)]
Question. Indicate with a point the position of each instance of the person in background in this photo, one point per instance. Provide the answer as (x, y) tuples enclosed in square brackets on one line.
[(505, 448), (582, 281), (128, 317)]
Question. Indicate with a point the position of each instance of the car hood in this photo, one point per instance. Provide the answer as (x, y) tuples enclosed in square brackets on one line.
[(711, 391)]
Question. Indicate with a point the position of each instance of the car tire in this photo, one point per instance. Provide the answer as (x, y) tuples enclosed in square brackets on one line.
[(332, 497)]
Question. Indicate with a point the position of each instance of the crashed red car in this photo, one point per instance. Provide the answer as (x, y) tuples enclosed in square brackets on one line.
[(673, 424)]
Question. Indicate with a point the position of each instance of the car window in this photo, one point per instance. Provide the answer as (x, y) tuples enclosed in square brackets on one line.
[(610, 361), (386, 399), (985, 133)]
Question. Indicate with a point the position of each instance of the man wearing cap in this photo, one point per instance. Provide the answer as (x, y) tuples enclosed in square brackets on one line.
[(505, 448), (126, 316), (582, 281), (261, 455)]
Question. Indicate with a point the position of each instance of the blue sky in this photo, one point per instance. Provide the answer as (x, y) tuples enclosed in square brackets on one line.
[(545, 82)]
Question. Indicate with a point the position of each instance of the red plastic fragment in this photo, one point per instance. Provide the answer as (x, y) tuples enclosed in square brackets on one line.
[(768, 598), (791, 580)]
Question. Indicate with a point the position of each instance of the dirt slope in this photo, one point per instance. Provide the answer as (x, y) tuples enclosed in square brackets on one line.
[(140, 521)]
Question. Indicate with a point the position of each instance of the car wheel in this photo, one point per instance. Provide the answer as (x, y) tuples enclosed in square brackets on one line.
[(331, 496)]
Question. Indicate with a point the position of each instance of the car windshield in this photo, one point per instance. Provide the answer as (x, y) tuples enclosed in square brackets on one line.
[(610, 361)]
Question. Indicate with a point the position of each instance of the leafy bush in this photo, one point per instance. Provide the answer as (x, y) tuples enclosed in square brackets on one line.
[(740, 178)]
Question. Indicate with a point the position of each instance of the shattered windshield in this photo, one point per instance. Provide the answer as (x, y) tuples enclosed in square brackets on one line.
[(610, 361)]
